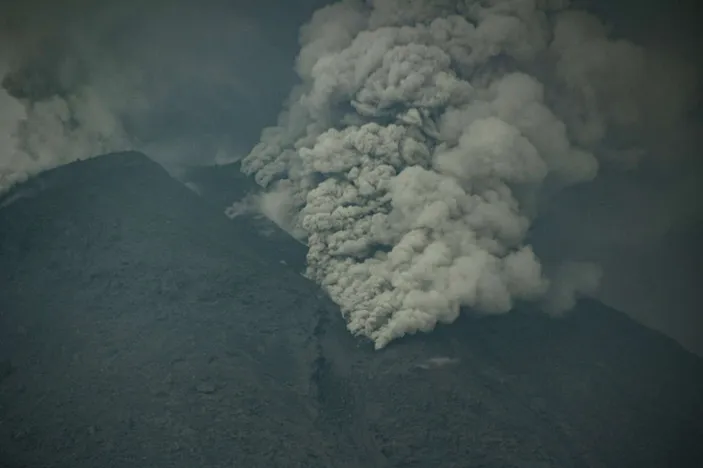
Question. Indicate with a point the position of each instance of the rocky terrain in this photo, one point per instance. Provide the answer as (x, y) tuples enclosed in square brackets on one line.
[(141, 327)]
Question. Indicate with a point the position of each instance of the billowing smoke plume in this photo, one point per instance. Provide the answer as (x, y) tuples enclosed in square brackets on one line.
[(428, 145), (426, 134)]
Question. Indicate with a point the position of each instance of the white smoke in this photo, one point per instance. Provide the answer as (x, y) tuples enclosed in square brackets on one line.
[(414, 156), (36, 136)]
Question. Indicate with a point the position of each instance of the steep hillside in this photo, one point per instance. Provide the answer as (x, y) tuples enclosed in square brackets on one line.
[(140, 327)]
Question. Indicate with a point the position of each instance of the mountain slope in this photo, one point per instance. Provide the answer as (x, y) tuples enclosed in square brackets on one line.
[(139, 326), (144, 328)]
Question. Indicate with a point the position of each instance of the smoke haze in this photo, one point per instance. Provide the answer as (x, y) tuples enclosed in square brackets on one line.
[(187, 85), (435, 156)]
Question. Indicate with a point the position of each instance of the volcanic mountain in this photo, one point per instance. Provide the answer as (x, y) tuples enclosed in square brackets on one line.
[(141, 327)]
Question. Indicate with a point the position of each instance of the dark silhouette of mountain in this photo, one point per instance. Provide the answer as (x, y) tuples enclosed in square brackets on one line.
[(141, 327)]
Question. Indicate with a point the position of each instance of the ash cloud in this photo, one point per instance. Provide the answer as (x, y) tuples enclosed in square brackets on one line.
[(434, 155), (426, 136), (55, 130), (185, 84)]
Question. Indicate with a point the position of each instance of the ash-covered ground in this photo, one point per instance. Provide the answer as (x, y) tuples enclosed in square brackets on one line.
[(141, 327)]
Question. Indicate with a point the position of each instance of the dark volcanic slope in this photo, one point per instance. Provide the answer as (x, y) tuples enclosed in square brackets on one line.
[(139, 327), (143, 328)]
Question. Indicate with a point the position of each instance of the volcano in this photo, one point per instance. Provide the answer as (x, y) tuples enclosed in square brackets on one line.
[(141, 327)]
